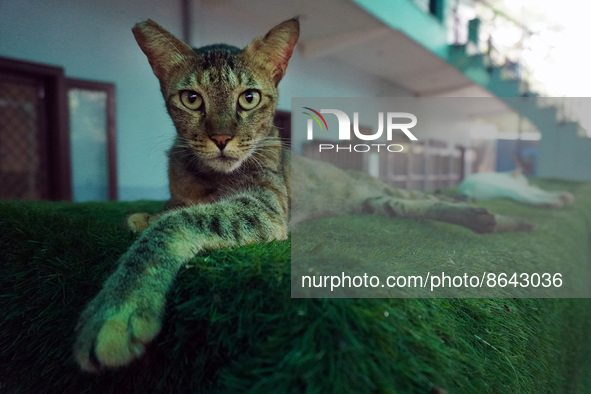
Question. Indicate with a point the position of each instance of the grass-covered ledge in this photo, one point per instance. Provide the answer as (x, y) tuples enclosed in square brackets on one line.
[(232, 326)]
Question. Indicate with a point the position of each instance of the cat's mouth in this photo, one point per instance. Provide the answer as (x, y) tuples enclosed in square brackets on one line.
[(224, 163), (225, 158)]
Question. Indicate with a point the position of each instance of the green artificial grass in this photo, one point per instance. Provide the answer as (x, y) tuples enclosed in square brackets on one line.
[(231, 325), (372, 245)]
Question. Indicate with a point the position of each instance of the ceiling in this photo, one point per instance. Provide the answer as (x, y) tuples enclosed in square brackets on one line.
[(341, 30)]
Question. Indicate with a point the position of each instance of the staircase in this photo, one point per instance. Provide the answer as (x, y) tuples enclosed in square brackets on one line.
[(564, 150)]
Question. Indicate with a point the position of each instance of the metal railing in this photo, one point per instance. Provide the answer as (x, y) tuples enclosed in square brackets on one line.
[(505, 42), (512, 47)]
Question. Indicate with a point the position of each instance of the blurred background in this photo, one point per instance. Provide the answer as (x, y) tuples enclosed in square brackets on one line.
[(82, 118)]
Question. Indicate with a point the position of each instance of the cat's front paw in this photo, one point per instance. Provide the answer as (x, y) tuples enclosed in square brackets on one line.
[(114, 335), (480, 220), (138, 222), (474, 218)]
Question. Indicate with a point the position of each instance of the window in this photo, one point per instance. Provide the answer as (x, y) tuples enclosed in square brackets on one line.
[(57, 135), (92, 140)]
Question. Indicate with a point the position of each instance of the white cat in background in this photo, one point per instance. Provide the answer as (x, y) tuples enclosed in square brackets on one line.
[(512, 185)]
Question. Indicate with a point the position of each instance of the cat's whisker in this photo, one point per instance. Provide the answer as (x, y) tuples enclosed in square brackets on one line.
[(220, 197)]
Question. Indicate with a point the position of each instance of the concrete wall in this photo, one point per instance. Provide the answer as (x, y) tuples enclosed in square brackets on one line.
[(92, 40)]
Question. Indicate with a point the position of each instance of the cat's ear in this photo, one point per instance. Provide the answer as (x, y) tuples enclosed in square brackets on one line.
[(164, 51), (274, 50)]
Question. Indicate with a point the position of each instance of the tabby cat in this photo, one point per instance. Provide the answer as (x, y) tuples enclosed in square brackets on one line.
[(229, 183)]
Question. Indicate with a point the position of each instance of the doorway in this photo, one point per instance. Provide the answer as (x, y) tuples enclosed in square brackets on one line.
[(57, 135), (34, 163)]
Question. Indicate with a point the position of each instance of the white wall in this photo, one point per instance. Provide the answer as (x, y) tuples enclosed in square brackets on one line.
[(92, 40)]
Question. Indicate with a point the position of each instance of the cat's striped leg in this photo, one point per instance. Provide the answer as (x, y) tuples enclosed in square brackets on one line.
[(474, 218), (126, 314), (138, 222)]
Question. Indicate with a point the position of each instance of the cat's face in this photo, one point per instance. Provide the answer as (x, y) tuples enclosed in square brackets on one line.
[(222, 108), (222, 100)]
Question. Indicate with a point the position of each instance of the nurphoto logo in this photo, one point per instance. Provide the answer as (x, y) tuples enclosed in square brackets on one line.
[(395, 121)]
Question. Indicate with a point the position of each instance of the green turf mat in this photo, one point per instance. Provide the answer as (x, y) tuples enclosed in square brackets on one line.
[(231, 325)]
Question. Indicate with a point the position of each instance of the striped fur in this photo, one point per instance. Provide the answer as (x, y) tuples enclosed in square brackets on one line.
[(353, 192), (230, 185), (227, 179)]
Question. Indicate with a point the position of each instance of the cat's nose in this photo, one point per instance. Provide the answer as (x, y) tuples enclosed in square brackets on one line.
[(221, 140)]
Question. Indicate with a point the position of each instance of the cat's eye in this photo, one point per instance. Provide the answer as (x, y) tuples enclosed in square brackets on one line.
[(191, 99), (249, 99)]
